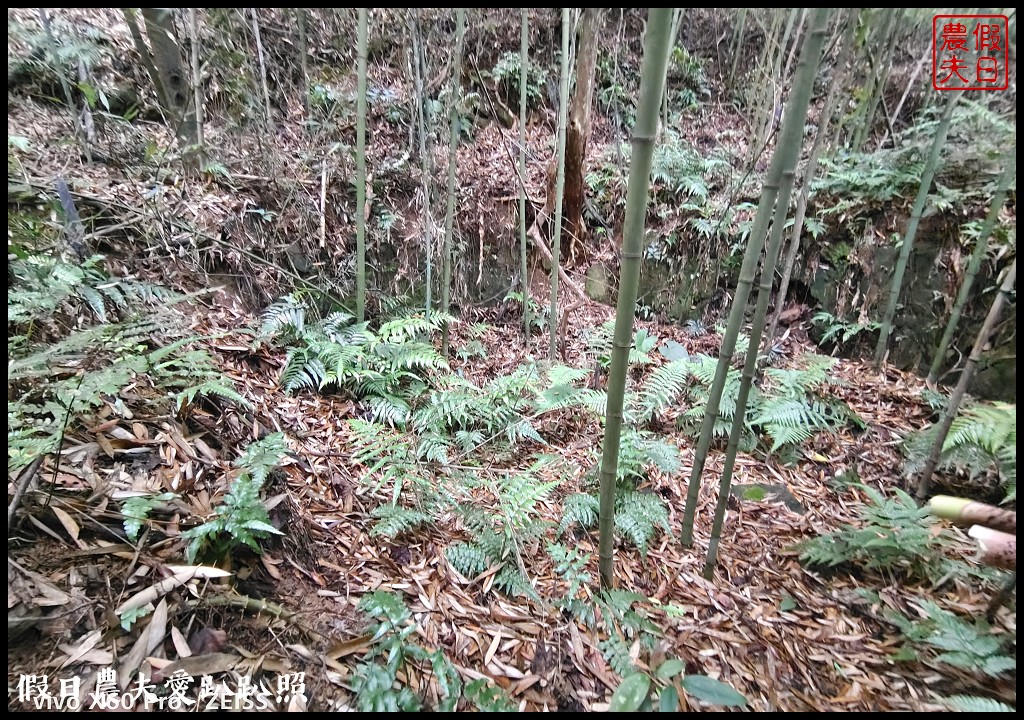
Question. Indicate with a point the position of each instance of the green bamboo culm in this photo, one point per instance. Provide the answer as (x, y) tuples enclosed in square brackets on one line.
[(879, 76), (924, 482), (810, 168), (556, 235), (361, 173), (783, 161), (938, 143), (453, 146), (419, 73), (736, 46), (749, 366), (974, 264), (524, 59), (657, 45)]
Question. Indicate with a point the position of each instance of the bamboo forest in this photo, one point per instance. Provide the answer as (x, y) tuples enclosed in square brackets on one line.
[(511, 359)]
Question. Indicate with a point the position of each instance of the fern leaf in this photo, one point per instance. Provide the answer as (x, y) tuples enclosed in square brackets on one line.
[(579, 509), (638, 516), (971, 703), (392, 521)]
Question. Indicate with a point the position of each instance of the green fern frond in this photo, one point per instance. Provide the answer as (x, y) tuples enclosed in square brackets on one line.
[(434, 448), (467, 559), (208, 388), (411, 356), (638, 516), (596, 401), (982, 436), (287, 314), (579, 509), (563, 375), (392, 520), (388, 409), (972, 703), (615, 650), (662, 388)]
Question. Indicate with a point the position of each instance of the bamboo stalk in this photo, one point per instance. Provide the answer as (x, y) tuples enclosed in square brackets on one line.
[(657, 45)]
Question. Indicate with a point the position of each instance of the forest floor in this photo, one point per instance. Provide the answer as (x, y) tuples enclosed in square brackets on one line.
[(787, 638)]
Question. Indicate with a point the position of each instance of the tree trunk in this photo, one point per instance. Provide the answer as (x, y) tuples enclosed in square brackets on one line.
[(197, 81), (524, 58), (924, 482), (881, 76), (974, 264), (449, 217), (578, 131), (784, 161), (749, 364), (938, 144), (736, 48), (652, 83), (419, 70), (556, 230), (809, 171), (360, 169), (263, 71), (173, 75), (132, 20), (300, 21)]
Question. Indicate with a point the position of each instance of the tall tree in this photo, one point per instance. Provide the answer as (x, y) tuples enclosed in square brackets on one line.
[(763, 91), (360, 170), (657, 45), (749, 368), (783, 161), (132, 20), (925, 478), (773, 92), (419, 71), (172, 76), (453, 146), (524, 62), (879, 77), (578, 131), (300, 21), (938, 143), (827, 108), (263, 70), (197, 80), (736, 46), (556, 231), (974, 264)]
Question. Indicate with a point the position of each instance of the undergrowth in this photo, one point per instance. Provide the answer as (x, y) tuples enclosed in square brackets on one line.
[(78, 337)]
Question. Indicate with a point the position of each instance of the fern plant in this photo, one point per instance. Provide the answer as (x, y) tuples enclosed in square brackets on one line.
[(790, 408), (626, 621), (391, 650), (638, 514), (498, 537), (793, 409), (895, 536), (491, 412), (56, 376), (973, 703), (840, 332), (968, 645), (43, 285), (386, 368), (241, 519), (599, 341), (983, 437)]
